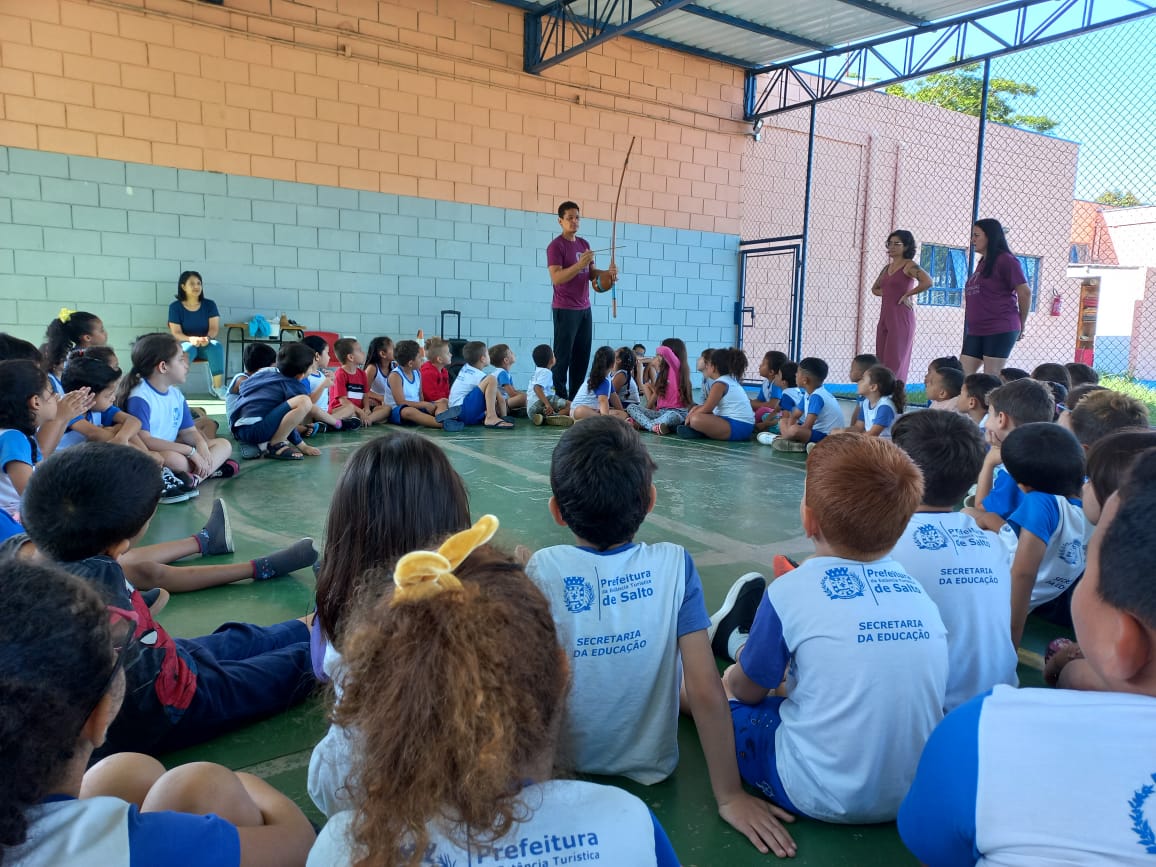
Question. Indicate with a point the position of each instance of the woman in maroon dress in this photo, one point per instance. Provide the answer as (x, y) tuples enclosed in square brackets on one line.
[(897, 284)]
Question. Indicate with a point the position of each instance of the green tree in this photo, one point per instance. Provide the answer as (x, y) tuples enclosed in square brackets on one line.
[(1117, 199), (962, 90)]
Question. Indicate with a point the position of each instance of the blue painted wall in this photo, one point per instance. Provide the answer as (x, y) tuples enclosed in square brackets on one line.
[(111, 237)]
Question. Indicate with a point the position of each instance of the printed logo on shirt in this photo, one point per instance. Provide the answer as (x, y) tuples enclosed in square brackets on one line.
[(579, 594), (928, 537), (1073, 553), (1141, 816), (839, 583)]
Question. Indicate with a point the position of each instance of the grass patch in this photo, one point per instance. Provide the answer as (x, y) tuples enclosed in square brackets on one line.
[(1132, 387)]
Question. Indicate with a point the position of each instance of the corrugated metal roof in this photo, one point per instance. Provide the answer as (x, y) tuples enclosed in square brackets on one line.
[(827, 23)]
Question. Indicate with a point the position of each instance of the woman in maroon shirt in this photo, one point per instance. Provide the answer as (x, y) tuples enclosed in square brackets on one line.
[(997, 299)]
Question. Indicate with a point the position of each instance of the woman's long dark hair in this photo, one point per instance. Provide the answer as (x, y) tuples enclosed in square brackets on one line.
[(996, 244)]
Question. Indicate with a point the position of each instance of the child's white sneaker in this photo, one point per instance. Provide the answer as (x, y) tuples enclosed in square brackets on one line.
[(782, 445), (766, 437)]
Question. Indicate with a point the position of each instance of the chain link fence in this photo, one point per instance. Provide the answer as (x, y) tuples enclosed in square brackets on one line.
[(1068, 168)]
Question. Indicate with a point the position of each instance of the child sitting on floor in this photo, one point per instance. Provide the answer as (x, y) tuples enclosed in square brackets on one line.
[(503, 358), (862, 647), (1047, 463), (273, 402), (104, 422), (150, 391), (817, 416), (965, 570), (882, 399), (378, 362), (1011, 374), (63, 665), (943, 387), (447, 625), (319, 380), (257, 356), (596, 396), (474, 397), (700, 366), (403, 392), (26, 400), (1103, 412), (632, 618), (973, 397), (625, 378), (725, 413), (767, 402), (545, 407), (670, 396), (83, 509), (791, 398), (1081, 374), (402, 468), (1019, 402), (1092, 750), (435, 374), (860, 364), (349, 394)]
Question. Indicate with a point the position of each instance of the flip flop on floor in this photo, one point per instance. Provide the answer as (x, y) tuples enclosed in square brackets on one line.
[(501, 424), (283, 451)]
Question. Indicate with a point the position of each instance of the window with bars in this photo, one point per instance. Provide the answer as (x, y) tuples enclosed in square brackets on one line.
[(948, 269)]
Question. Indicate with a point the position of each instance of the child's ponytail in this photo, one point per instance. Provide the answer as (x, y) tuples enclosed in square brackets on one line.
[(147, 354), (889, 386), (729, 362), (600, 367), (55, 658), (63, 334), (685, 389), (455, 684)]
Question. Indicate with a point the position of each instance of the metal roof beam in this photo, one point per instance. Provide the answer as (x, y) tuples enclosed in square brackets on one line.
[(876, 63), (886, 11), (556, 33), (754, 27)]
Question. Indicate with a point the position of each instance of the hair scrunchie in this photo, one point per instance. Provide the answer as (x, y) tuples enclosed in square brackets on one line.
[(65, 314), (420, 575)]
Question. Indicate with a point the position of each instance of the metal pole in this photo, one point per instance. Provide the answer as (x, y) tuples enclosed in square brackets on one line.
[(979, 157), (801, 282)]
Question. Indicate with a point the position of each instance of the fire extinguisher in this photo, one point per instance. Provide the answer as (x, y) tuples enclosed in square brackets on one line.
[(1057, 303)]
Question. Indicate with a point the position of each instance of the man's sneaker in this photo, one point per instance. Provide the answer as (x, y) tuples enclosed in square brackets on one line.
[(351, 423), (737, 612), (173, 489), (216, 537), (783, 445), (559, 420), (688, 433), (537, 418), (766, 437)]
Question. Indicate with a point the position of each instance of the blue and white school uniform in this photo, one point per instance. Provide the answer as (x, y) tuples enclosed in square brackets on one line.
[(967, 573), (620, 614), (1060, 523), (162, 414), (829, 415), (883, 413), (569, 822), (735, 407), (66, 832), (231, 398), (314, 381), (1086, 759), (57, 385), (95, 417), (628, 393), (769, 391), (1005, 495), (410, 390), (586, 397), (544, 377), (15, 446), (466, 393), (865, 654), (792, 398)]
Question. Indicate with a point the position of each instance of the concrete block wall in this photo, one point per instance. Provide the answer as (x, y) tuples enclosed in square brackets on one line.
[(112, 237)]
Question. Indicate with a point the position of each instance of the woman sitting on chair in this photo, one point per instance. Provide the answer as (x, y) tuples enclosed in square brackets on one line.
[(195, 322)]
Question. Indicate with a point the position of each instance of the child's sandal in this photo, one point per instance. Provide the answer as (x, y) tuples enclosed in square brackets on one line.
[(283, 451)]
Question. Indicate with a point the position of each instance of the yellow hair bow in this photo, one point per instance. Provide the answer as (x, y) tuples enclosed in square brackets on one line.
[(65, 314), (422, 574)]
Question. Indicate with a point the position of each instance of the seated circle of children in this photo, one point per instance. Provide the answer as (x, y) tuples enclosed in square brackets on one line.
[(1047, 464), (83, 509), (725, 413), (862, 647), (273, 402), (1092, 750), (448, 622), (627, 614), (62, 682), (816, 416), (963, 568)]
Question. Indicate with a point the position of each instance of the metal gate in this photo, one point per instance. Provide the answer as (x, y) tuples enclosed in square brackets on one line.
[(768, 314)]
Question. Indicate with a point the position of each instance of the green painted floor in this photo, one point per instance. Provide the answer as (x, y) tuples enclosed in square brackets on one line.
[(731, 505)]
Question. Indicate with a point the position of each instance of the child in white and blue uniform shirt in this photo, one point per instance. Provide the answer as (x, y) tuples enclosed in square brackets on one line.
[(725, 413), (819, 414), (963, 568), (26, 401), (882, 399), (596, 395), (1047, 463), (1019, 402), (474, 396), (1092, 750), (540, 390), (862, 647)]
